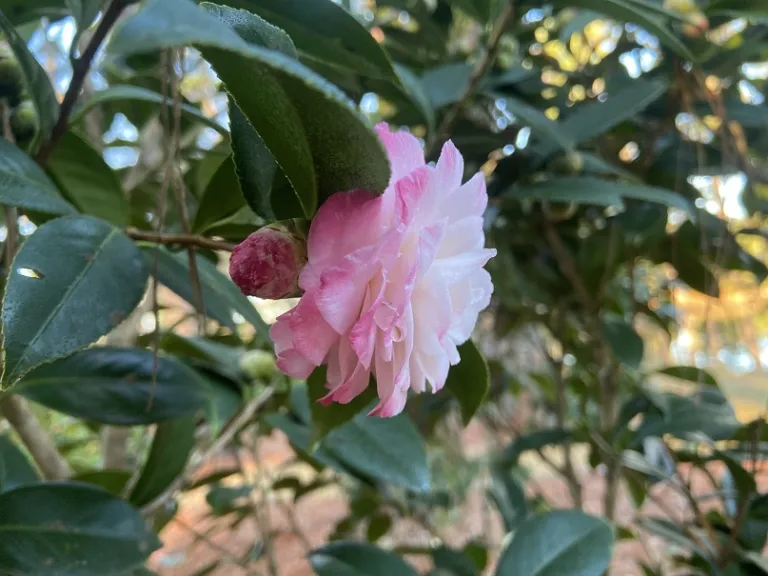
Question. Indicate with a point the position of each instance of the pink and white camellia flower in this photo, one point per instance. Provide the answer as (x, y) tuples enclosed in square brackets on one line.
[(393, 283)]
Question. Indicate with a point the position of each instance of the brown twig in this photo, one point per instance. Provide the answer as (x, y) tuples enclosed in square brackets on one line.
[(179, 239), (79, 74), (180, 189), (226, 436), (478, 73)]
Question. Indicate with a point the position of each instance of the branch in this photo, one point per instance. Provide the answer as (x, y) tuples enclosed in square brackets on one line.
[(181, 239), (35, 438), (79, 74), (481, 68), (224, 438)]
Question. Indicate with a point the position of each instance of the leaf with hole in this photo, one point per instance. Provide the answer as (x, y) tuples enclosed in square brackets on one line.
[(73, 281)]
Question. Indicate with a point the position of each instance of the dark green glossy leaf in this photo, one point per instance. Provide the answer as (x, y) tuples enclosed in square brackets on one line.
[(116, 386), (35, 78), (705, 412), (357, 559), (15, 469), (256, 168), (626, 344), (454, 562), (468, 381), (533, 441), (313, 131), (121, 92), (171, 447), (221, 199), (324, 32), (690, 373), (557, 543), (542, 127), (508, 494), (388, 449), (596, 191), (221, 298), (327, 418), (378, 525), (24, 184), (595, 118), (87, 181), (84, 11), (445, 84), (73, 529), (113, 481), (73, 281)]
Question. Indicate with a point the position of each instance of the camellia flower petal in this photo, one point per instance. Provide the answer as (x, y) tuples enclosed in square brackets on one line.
[(393, 283)]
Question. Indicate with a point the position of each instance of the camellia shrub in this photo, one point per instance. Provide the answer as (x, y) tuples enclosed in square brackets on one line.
[(373, 229)]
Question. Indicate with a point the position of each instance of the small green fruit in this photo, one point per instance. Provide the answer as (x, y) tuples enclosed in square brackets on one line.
[(571, 163), (11, 81), (258, 364), (24, 121)]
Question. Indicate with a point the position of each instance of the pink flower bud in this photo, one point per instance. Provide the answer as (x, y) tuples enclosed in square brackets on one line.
[(268, 262)]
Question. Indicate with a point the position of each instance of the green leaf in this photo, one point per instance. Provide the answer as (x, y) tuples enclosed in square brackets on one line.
[(318, 137), (508, 494), (378, 525), (357, 559), (454, 562), (36, 80), (480, 10), (325, 32), (388, 449), (327, 418), (221, 298), (171, 447), (73, 281), (557, 543), (533, 441), (469, 380), (300, 436), (690, 373), (113, 481), (121, 92), (116, 386), (599, 192), (636, 13), (15, 469), (221, 198), (445, 84), (74, 529), (542, 126), (595, 118), (626, 344), (705, 412), (24, 184), (87, 181)]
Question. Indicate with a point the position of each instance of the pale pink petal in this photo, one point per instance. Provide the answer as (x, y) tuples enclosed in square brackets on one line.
[(293, 364), (458, 267), (450, 168), (465, 235), (469, 200), (404, 151), (312, 336)]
